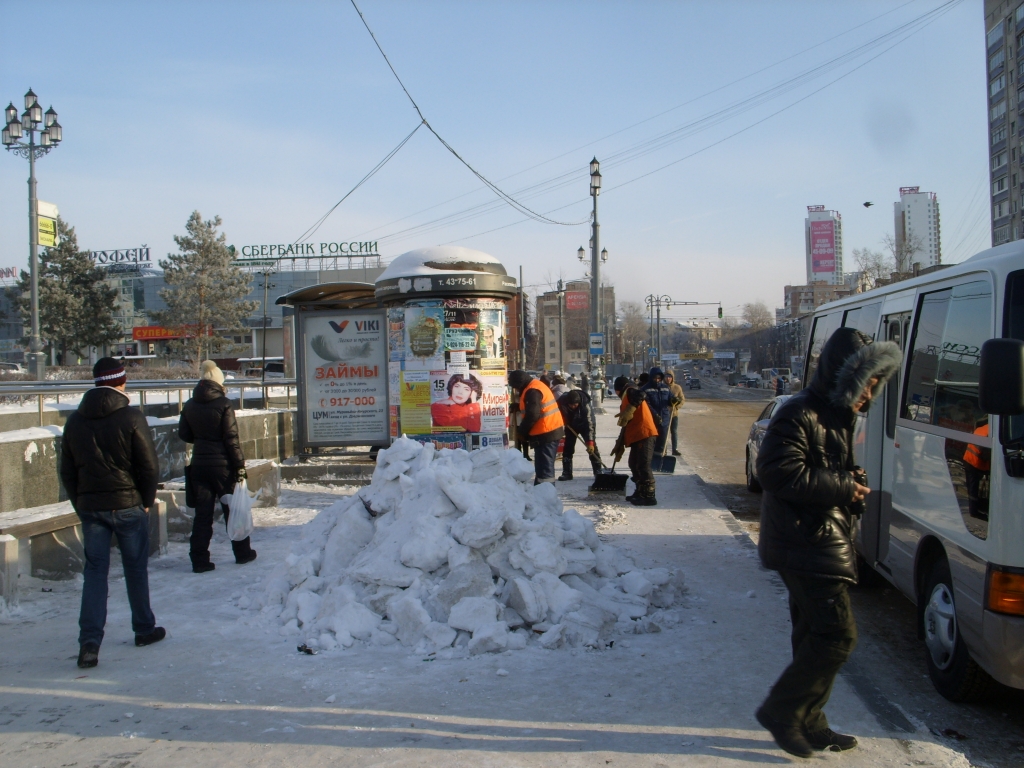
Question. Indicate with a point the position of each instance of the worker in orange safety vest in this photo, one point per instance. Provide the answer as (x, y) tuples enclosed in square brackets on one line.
[(639, 433), (977, 465), (541, 421)]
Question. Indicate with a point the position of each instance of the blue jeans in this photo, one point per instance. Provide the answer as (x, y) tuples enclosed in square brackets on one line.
[(544, 461), (132, 529)]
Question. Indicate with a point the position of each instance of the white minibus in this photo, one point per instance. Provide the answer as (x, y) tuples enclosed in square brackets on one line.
[(944, 451)]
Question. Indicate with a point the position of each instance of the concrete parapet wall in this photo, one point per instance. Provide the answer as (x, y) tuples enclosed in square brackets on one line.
[(30, 458)]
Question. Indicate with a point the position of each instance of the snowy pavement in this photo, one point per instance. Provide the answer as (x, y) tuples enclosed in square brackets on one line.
[(226, 688)]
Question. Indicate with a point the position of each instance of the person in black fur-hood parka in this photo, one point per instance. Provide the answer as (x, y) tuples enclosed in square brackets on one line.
[(812, 494)]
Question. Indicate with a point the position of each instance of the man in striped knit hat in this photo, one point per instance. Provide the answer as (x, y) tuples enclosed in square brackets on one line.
[(110, 471)]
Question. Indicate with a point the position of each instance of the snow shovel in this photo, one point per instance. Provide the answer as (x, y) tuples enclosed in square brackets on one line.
[(590, 450), (664, 464), (609, 481)]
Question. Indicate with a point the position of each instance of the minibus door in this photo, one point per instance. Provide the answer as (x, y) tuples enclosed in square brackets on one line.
[(897, 328)]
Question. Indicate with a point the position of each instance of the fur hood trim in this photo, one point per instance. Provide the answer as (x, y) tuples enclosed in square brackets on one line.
[(881, 359)]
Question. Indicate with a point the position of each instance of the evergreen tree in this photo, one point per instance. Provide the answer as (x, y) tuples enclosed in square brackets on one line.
[(206, 294), (76, 306)]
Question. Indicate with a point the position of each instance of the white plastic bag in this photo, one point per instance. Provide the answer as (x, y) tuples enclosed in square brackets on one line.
[(240, 513)]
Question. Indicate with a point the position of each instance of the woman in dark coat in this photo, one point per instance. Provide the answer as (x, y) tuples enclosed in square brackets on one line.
[(208, 421)]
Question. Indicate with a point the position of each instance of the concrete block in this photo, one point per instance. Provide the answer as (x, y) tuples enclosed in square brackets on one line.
[(178, 516), (58, 555), (264, 476), (158, 528), (8, 570)]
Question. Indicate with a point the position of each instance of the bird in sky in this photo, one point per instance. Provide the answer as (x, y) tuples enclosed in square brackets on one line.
[(868, 204)]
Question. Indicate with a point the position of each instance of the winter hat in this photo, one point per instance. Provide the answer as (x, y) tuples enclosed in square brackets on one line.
[(109, 372), (211, 372), (620, 384), (849, 360), (519, 379)]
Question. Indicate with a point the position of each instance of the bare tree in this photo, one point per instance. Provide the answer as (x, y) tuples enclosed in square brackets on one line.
[(758, 316), (903, 251), (635, 326), (875, 265)]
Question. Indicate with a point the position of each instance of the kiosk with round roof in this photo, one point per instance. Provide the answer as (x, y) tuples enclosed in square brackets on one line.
[(447, 327)]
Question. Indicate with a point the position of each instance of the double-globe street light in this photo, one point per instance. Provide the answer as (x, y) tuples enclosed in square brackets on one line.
[(50, 136)]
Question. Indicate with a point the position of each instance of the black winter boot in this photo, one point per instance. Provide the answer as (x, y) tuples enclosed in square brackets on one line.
[(644, 496), (201, 563), (566, 470), (89, 655)]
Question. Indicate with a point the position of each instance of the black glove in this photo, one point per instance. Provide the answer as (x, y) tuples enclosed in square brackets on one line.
[(240, 475)]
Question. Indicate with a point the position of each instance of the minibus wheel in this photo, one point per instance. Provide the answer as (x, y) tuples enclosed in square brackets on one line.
[(954, 673), (752, 485)]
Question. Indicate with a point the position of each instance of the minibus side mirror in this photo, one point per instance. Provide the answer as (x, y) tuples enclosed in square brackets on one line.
[(1001, 379)]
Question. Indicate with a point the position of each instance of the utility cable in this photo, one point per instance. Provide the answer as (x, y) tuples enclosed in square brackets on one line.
[(490, 185), (312, 230), (903, 31), (945, 8)]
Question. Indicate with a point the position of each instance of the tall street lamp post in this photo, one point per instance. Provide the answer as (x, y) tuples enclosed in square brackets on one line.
[(596, 255), (561, 325), (50, 136), (267, 285)]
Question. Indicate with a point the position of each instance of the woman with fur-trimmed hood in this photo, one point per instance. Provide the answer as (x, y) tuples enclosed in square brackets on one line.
[(806, 467)]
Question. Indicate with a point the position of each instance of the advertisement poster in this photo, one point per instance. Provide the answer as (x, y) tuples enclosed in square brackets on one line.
[(396, 335), (345, 360), (491, 333), (416, 402), (493, 402), (456, 402), (577, 300), (394, 383), (823, 246), (424, 338), (443, 441), (393, 419)]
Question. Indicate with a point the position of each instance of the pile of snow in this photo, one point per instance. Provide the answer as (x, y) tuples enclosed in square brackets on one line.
[(451, 548)]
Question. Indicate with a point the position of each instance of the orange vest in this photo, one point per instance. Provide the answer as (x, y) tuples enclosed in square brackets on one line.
[(641, 426), (550, 417), (973, 454)]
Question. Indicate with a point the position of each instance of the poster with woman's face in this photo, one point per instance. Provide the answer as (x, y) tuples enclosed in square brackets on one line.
[(455, 403)]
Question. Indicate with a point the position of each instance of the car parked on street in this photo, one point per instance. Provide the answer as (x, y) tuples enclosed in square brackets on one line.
[(693, 383), (756, 436)]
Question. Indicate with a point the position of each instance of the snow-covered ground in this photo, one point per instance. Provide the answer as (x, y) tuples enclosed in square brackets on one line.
[(227, 688)]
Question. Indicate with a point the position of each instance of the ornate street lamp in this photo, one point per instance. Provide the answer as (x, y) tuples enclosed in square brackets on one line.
[(50, 135)]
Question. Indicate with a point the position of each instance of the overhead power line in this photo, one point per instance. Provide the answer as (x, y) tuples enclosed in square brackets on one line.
[(631, 153), (490, 185)]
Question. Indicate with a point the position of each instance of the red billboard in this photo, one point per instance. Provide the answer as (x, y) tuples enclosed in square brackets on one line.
[(576, 300), (823, 246)]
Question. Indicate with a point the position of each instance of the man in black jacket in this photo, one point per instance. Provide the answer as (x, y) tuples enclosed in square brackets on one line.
[(110, 471), (812, 496), (575, 408)]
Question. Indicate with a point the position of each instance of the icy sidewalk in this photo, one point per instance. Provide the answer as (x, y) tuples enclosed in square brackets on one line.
[(225, 690)]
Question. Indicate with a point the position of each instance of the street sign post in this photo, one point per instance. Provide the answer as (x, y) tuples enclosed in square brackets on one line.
[(652, 352), (596, 344)]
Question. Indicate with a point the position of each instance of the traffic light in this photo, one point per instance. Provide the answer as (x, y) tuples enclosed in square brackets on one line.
[(719, 313)]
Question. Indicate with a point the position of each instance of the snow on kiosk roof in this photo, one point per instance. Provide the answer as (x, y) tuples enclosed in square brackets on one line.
[(444, 271)]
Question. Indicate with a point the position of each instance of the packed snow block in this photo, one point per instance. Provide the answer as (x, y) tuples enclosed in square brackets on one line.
[(561, 598), (537, 552), (553, 637), (354, 618), (529, 602), (410, 618), (589, 626), (634, 583), (8, 570), (439, 635), (471, 613), (380, 562), (352, 531), (472, 579), (428, 545), (489, 638), (518, 467)]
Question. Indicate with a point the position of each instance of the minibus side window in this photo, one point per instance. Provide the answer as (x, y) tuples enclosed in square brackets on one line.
[(942, 387), (1013, 328), (864, 319), (824, 327)]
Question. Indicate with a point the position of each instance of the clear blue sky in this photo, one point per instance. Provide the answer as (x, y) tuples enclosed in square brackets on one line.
[(267, 113)]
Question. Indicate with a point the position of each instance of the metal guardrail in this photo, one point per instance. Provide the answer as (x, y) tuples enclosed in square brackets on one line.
[(42, 390)]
